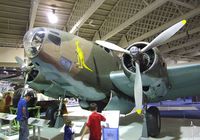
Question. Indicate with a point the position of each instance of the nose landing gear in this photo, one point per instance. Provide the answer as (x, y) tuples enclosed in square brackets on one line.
[(54, 114)]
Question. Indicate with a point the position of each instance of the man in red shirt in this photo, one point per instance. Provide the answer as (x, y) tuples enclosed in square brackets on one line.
[(94, 124)]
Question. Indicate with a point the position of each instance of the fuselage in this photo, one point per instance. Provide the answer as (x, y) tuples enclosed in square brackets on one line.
[(72, 66), (69, 60)]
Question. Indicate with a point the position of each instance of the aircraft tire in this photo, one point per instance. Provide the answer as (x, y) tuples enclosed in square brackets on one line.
[(153, 121), (51, 114), (16, 97)]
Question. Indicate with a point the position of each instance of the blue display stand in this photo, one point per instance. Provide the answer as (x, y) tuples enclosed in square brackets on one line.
[(110, 133)]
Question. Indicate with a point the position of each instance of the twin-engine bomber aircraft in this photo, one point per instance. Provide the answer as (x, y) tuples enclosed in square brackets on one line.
[(65, 65)]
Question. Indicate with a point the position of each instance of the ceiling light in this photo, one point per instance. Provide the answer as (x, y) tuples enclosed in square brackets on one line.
[(52, 17)]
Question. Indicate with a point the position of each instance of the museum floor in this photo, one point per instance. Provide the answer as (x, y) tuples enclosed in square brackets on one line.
[(131, 126), (172, 129)]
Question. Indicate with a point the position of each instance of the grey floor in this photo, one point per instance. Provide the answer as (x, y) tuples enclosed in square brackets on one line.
[(130, 128), (172, 129)]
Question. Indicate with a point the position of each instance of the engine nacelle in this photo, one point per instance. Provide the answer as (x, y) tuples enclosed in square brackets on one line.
[(37, 81), (152, 62), (153, 69)]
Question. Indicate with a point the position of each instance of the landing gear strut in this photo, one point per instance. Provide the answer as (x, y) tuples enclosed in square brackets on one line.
[(54, 114), (59, 119), (144, 126)]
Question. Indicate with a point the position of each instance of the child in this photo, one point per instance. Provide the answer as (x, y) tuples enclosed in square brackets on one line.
[(68, 133)]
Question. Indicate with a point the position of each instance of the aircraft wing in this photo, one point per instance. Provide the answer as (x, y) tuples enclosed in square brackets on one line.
[(184, 80), (122, 82)]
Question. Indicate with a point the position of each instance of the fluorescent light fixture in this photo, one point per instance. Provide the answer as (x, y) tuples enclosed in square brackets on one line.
[(52, 17)]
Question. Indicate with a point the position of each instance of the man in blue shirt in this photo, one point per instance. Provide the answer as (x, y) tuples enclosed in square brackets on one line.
[(22, 116)]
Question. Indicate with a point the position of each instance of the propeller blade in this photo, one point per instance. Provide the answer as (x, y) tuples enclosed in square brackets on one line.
[(25, 79), (26, 69), (25, 85), (138, 93), (20, 61), (164, 35), (111, 46)]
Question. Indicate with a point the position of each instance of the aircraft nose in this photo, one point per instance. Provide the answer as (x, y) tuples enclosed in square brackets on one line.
[(33, 41)]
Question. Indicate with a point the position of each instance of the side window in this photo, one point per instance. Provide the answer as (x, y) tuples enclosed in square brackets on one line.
[(66, 63), (56, 40), (107, 50)]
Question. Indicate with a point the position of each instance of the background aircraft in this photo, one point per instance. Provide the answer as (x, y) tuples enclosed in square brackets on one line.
[(65, 65)]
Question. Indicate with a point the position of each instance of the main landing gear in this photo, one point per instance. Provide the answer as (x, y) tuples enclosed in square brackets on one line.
[(54, 114), (152, 123)]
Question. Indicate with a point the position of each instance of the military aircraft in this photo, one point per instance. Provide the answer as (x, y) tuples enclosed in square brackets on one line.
[(65, 65)]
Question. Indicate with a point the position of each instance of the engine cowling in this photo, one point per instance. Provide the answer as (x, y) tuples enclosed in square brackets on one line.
[(151, 63), (37, 81), (153, 69)]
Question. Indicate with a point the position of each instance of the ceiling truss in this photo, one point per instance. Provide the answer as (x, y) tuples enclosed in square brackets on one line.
[(122, 22)]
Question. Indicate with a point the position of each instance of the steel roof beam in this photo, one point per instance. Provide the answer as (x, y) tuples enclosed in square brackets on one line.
[(186, 5), (145, 2), (179, 58), (193, 42), (135, 18), (86, 16), (33, 12), (193, 51), (188, 15), (186, 51), (184, 34), (197, 53)]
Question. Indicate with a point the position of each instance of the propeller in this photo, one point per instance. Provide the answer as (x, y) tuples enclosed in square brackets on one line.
[(138, 89), (136, 55), (20, 62), (112, 46), (164, 35), (26, 70)]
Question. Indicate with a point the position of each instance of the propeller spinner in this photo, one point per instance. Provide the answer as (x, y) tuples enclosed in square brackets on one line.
[(136, 54)]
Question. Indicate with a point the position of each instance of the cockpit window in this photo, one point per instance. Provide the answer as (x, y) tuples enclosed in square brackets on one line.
[(37, 42), (38, 37), (56, 40), (33, 41), (54, 32), (105, 49)]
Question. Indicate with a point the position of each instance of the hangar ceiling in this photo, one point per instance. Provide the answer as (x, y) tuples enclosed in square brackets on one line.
[(119, 21)]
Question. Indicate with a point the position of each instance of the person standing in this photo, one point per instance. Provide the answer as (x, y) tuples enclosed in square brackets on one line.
[(68, 132), (23, 115), (7, 102), (94, 124)]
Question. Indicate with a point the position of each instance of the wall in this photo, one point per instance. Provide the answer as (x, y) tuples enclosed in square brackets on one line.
[(7, 56)]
